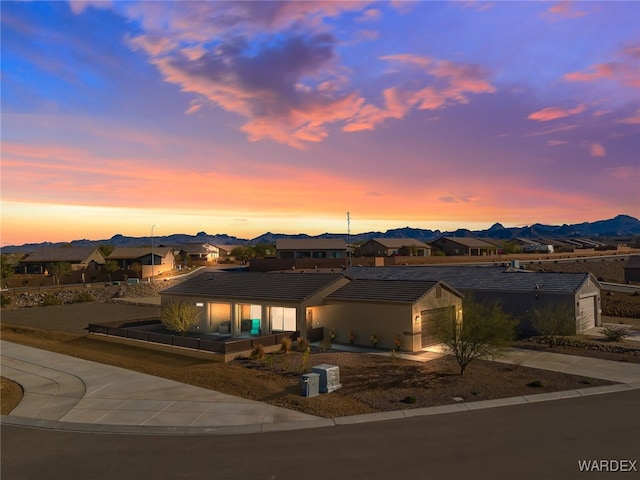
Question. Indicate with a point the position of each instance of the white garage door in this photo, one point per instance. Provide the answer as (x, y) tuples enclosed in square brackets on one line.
[(587, 311)]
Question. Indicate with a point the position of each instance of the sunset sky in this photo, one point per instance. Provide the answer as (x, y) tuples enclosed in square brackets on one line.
[(247, 117)]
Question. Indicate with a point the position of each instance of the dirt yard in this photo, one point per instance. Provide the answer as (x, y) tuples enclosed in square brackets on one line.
[(371, 383)]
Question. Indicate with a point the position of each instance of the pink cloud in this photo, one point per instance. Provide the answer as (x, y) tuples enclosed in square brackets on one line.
[(624, 71), (566, 9), (597, 150), (553, 113)]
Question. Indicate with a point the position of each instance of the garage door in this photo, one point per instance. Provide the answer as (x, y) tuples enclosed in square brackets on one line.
[(587, 314), (428, 315)]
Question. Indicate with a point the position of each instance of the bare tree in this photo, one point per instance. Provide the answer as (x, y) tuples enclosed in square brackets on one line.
[(179, 317), (553, 320), (483, 331)]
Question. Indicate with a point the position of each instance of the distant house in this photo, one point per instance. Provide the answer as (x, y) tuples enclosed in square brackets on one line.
[(464, 246), (632, 269), (224, 251), (198, 252), (519, 292), (387, 247), (78, 257), (129, 257), (317, 248)]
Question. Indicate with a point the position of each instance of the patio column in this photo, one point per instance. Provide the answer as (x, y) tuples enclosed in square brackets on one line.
[(235, 331), (265, 320)]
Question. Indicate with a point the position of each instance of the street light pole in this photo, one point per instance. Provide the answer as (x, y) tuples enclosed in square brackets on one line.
[(152, 259)]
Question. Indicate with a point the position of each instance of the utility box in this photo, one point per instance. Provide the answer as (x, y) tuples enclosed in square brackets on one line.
[(310, 384), (329, 377)]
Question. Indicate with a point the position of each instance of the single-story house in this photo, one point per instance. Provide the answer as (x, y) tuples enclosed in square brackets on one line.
[(224, 251), (197, 252), (316, 248), (241, 304), (251, 303), (632, 269), (518, 291), (152, 261), (387, 247), (464, 246), (79, 258)]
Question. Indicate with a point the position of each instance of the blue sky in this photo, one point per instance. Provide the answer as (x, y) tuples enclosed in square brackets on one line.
[(243, 117)]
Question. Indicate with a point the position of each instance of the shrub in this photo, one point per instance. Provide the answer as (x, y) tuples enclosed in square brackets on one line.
[(613, 333), (285, 345), (257, 353), (83, 297), (50, 299), (4, 300), (179, 317), (409, 399), (303, 344), (535, 384)]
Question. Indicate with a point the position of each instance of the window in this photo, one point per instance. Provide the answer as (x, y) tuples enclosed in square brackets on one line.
[(283, 319)]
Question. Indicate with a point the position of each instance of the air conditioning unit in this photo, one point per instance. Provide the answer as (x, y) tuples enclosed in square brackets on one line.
[(329, 377)]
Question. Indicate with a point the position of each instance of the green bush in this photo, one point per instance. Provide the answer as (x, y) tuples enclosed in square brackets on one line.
[(613, 333), (535, 384), (50, 300), (83, 297), (4, 300), (409, 399)]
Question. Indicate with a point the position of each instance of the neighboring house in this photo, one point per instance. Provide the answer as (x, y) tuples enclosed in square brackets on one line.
[(250, 303), (198, 252), (317, 248), (558, 246), (224, 251), (393, 310), (247, 303), (519, 292), (79, 257), (128, 257), (387, 247), (632, 269), (464, 246)]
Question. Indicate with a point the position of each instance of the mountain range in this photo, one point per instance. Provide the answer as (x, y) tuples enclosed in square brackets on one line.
[(619, 226)]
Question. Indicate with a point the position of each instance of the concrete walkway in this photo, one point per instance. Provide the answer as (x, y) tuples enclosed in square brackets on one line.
[(64, 392)]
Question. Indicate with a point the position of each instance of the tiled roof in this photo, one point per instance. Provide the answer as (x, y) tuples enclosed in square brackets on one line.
[(469, 242), (311, 244), (255, 285), (194, 248), (478, 278), (229, 248), (633, 262), (400, 242), (402, 291), (60, 254), (137, 252)]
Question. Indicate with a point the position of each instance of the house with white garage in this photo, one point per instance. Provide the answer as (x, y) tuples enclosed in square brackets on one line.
[(396, 312), (250, 304), (519, 292)]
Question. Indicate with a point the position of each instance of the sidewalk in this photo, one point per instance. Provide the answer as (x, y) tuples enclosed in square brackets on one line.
[(64, 392)]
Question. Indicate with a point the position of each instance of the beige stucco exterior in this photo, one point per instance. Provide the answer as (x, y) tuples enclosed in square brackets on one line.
[(387, 320)]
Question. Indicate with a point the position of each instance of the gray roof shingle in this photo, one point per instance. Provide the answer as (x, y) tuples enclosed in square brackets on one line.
[(478, 278), (255, 285), (401, 291)]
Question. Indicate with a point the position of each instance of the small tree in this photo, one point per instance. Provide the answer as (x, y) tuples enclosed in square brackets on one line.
[(110, 267), (7, 267), (179, 317), (58, 270), (553, 320), (484, 331)]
